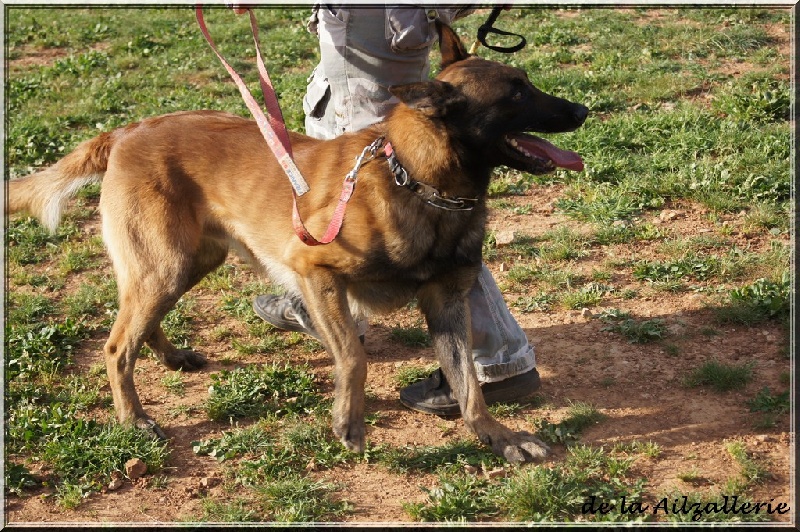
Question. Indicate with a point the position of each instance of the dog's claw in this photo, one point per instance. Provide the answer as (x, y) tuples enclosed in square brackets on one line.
[(151, 428), (352, 436), (520, 447), (184, 359)]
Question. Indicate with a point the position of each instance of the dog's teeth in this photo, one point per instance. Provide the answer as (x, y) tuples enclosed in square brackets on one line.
[(513, 142)]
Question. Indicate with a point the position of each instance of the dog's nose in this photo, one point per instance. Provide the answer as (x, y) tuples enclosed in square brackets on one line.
[(580, 114)]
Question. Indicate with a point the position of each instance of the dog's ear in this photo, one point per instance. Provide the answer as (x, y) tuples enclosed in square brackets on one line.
[(450, 45), (431, 98)]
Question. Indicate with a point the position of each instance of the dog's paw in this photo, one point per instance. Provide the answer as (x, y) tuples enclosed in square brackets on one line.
[(184, 359), (151, 428), (352, 435), (517, 447)]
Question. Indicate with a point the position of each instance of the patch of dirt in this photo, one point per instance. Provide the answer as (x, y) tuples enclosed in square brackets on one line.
[(638, 387), (27, 56)]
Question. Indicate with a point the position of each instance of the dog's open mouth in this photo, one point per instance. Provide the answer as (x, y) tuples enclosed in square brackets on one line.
[(539, 155)]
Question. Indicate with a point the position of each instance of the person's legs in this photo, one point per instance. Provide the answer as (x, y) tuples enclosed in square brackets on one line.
[(504, 360), (361, 55)]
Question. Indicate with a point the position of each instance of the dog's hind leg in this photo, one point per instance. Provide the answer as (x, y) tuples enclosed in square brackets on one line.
[(172, 357), (211, 254), (326, 300), (138, 318), (153, 231), (447, 313)]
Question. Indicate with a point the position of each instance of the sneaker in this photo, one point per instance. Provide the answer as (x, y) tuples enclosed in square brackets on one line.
[(283, 312), (434, 396), (289, 314)]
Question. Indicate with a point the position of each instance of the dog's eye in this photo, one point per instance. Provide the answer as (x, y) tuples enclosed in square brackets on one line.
[(518, 96)]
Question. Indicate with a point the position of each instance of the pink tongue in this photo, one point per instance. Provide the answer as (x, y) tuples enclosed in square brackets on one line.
[(542, 148)]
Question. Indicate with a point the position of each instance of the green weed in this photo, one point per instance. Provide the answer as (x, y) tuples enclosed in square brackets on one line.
[(408, 375), (540, 302), (457, 498), (173, 382), (451, 456), (579, 417), (756, 302), (636, 331), (751, 470), (535, 494), (257, 391), (722, 377), (765, 402), (411, 336), (300, 499)]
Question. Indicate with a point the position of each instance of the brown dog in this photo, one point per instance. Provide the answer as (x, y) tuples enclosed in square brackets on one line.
[(180, 190)]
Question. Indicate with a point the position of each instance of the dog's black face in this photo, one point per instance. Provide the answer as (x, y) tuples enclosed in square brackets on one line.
[(500, 106), (490, 107)]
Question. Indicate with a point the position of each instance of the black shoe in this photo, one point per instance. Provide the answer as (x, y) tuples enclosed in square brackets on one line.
[(434, 396), (287, 313)]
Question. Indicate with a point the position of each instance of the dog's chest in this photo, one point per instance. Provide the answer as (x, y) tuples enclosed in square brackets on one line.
[(425, 245)]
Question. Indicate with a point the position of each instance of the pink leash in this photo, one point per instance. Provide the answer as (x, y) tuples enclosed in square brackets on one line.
[(274, 131)]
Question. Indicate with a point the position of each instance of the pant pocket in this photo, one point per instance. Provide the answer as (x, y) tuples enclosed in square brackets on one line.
[(318, 94), (408, 29)]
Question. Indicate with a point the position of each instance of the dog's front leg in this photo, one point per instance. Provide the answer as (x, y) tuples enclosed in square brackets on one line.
[(326, 299), (447, 314)]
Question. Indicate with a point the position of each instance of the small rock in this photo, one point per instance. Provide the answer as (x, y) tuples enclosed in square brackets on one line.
[(495, 473), (470, 469), (503, 267), (135, 468), (209, 482), (586, 313), (669, 215), (503, 238), (116, 481)]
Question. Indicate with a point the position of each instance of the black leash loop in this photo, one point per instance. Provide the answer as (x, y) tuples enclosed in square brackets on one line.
[(488, 28)]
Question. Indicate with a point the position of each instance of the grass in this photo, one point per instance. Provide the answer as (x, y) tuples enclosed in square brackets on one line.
[(270, 461), (579, 417), (635, 331), (764, 401), (771, 408), (255, 391), (451, 456), (751, 470), (407, 375), (762, 300), (720, 376), (411, 336), (671, 127), (535, 494)]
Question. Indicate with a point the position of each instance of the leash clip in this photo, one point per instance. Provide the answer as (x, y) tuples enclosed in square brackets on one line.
[(369, 153)]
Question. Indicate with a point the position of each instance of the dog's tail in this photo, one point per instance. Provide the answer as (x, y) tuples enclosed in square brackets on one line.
[(44, 194)]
